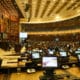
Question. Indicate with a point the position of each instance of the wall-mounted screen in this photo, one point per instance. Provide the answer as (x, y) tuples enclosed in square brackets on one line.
[(23, 35)]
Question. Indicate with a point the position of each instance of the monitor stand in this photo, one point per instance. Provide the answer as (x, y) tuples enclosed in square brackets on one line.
[(48, 74)]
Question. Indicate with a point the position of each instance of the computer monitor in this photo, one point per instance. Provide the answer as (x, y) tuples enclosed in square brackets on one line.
[(79, 57), (36, 55), (78, 49), (63, 54), (49, 62), (51, 52), (77, 52)]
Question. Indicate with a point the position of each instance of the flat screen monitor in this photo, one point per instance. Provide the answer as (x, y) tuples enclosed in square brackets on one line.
[(79, 57), (35, 55), (78, 49), (77, 52), (63, 54), (49, 62), (51, 52), (23, 34)]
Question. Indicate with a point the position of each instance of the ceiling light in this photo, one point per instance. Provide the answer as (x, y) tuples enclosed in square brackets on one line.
[(78, 11), (25, 1), (63, 1), (72, 1), (58, 17), (54, 0)]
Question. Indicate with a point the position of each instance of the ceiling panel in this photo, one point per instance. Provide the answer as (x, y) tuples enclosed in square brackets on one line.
[(38, 7), (46, 11)]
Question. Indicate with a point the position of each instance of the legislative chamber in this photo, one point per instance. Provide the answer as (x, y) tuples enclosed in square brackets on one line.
[(39, 39)]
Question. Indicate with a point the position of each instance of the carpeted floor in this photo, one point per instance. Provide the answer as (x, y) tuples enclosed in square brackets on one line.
[(5, 76), (71, 73), (1, 76)]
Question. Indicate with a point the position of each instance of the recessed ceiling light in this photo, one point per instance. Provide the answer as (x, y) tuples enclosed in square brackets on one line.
[(63, 1), (78, 11), (72, 1), (53, 0), (58, 17)]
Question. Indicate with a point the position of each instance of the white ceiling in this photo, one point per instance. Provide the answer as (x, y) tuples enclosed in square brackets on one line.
[(46, 11)]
